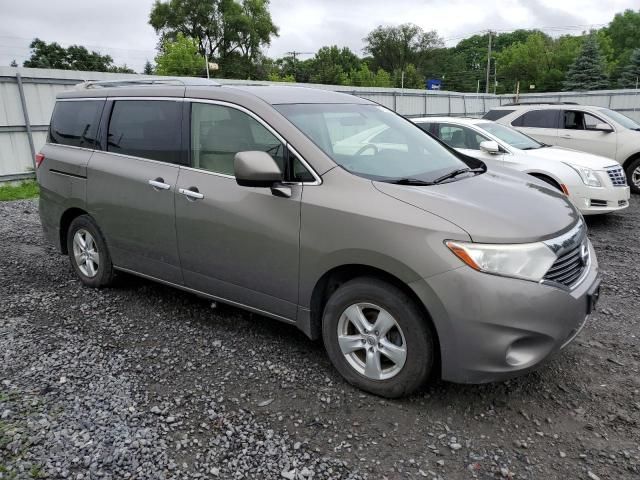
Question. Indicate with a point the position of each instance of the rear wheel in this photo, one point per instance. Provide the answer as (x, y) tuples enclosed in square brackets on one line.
[(378, 338), (633, 174), (88, 253)]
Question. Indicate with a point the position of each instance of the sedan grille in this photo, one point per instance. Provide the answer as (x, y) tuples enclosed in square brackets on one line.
[(617, 176), (568, 268)]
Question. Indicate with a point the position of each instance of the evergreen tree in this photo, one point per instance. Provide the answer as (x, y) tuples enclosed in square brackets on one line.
[(148, 68), (631, 73), (588, 70)]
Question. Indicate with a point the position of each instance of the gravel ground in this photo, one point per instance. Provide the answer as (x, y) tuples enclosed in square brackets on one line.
[(144, 381)]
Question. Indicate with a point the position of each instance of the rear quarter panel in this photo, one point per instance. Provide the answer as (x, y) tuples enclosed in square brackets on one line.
[(62, 177)]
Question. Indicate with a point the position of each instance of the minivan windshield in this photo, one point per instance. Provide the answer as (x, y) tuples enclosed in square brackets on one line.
[(510, 136), (373, 142), (623, 120)]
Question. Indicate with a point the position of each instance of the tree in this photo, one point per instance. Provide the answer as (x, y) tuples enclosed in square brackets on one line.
[(631, 73), (228, 31), (179, 57), (412, 79), (624, 32), (588, 70), (331, 64), (393, 48), (148, 68), (121, 69), (13, 63), (75, 57)]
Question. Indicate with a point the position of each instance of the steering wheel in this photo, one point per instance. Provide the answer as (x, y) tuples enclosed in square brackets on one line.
[(368, 146)]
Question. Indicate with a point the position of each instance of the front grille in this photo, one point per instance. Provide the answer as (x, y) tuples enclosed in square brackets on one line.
[(617, 176), (568, 268), (598, 203)]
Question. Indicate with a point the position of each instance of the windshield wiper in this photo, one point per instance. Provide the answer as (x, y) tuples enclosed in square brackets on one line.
[(455, 173), (409, 181)]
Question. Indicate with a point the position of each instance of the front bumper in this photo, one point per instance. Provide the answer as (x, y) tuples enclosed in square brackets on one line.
[(491, 328), (598, 200)]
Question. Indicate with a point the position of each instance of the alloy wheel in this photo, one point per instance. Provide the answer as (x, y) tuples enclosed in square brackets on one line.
[(372, 341), (85, 253)]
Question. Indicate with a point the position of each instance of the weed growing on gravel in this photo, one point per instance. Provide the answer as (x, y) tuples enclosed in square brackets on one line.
[(26, 189)]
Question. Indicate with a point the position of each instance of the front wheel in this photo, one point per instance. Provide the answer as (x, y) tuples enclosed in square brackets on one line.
[(633, 175), (378, 338)]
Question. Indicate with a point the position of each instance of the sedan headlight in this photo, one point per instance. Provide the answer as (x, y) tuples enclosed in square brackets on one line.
[(587, 175), (529, 261)]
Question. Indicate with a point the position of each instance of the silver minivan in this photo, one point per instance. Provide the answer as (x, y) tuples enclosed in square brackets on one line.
[(408, 259)]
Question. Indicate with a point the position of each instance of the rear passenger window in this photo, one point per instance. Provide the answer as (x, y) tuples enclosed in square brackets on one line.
[(146, 128), (75, 123), (219, 132), (496, 114), (538, 119)]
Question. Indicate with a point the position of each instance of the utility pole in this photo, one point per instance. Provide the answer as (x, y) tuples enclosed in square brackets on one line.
[(488, 61), (295, 54), (495, 75)]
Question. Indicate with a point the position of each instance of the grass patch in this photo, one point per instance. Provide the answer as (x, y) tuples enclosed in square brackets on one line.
[(26, 189)]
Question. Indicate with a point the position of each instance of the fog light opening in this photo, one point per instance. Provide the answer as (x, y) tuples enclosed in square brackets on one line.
[(527, 350)]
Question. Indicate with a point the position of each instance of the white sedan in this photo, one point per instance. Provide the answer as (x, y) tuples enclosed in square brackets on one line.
[(594, 184)]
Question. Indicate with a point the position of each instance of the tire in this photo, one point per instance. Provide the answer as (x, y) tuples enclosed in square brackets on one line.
[(96, 270), (633, 175), (373, 297)]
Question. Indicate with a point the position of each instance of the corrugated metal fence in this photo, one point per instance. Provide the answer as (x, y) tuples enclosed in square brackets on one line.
[(27, 97)]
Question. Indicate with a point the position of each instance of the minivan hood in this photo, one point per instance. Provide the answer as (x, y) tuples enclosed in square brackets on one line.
[(574, 157), (499, 206)]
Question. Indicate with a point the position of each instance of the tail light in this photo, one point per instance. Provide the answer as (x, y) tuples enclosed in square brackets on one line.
[(39, 159)]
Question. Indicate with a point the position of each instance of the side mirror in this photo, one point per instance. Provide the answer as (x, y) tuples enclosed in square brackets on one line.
[(489, 146), (256, 169), (603, 127)]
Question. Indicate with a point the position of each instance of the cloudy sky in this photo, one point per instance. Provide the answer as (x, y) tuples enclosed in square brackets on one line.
[(119, 27)]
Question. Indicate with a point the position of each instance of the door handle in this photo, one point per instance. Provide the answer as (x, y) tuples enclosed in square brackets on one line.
[(158, 184), (565, 135), (191, 193)]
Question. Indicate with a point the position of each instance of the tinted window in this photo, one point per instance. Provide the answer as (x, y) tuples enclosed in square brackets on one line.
[(496, 114), (299, 172), (424, 126), (75, 123), (538, 119), (146, 128), (219, 132)]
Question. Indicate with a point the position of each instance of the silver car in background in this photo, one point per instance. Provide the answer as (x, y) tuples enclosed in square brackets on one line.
[(408, 262)]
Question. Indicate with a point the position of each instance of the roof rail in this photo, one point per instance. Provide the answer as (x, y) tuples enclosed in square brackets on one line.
[(515, 104), (184, 82)]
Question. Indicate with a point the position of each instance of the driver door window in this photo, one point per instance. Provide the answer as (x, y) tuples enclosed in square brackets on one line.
[(576, 120), (457, 136), (219, 132)]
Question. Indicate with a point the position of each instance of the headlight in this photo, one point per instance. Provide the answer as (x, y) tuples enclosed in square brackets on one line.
[(529, 261), (587, 175)]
